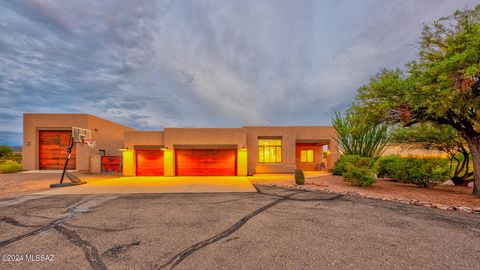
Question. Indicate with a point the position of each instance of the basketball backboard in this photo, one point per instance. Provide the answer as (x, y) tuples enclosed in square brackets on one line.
[(80, 135)]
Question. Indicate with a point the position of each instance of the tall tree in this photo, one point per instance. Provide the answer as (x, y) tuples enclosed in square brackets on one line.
[(441, 86)]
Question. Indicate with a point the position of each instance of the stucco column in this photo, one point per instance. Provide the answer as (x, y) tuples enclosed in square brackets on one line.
[(128, 163), (333, 154), (319, 156), (242, 161), (168, 162)]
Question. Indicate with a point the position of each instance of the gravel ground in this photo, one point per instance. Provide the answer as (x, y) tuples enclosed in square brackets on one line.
[(442, 194), (15, 184), (273, 229)]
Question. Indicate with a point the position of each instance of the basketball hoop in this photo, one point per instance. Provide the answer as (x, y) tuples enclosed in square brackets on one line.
[(89, 142), (79, 135)]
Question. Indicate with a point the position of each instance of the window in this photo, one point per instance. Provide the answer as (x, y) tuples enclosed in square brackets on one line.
[(269, 150), (306, 156)]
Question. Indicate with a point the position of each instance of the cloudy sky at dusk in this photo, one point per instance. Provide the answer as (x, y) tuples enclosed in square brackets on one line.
[(150, 64)]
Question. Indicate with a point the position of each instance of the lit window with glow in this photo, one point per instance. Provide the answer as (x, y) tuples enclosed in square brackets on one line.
[(269, 150), (306, 156)]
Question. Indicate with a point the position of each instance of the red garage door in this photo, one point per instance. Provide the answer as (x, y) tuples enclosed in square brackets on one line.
[(203, 162), (53, 150), (149, 162)]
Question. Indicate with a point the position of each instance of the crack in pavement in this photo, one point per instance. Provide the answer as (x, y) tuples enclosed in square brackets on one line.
[(182, 255), (120, 249), (226, 201), (179, 257), (22, 199), (99, 229), (15, 222), (25, 235), (90, 251), (85, 205)]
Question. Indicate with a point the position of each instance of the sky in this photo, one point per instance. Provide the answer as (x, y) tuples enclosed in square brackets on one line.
[(197, 63)]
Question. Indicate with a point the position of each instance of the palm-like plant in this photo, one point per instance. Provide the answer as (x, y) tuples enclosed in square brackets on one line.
[(357, 136)]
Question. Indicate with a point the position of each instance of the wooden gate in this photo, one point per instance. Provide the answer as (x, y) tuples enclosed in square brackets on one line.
[(111, 164)]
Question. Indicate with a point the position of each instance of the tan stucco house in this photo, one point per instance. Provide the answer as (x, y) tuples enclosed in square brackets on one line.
[(178, 151)]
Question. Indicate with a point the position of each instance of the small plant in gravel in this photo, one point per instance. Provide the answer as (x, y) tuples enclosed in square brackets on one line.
[(299, 177)]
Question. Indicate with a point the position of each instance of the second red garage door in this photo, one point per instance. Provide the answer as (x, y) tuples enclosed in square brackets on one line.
[(149, 162), (206, 162)]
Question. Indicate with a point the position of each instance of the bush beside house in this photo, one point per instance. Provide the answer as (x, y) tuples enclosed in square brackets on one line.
[(10, 162), (423, 172), (356, 169)]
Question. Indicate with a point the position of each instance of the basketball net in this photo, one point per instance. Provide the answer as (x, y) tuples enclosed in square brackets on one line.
[(89, 142)]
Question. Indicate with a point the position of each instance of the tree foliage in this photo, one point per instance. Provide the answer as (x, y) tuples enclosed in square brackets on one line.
[(441, 86)]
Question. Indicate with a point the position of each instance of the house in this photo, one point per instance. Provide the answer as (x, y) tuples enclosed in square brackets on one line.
[(178, 151)]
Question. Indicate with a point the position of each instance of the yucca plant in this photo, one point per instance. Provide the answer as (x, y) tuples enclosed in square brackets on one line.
[(356, 136)]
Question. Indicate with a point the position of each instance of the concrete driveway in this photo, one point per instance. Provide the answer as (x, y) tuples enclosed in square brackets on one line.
[(271, 229), (178, 184)]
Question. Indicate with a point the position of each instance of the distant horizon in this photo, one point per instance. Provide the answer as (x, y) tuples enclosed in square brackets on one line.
[(193, 63)]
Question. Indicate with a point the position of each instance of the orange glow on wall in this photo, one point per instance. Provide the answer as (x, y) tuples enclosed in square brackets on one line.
[(168, 163), (242, 162), (128, 163)]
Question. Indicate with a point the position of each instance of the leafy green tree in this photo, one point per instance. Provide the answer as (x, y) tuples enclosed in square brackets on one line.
[(443, 138), (441, 86), (358, 136)]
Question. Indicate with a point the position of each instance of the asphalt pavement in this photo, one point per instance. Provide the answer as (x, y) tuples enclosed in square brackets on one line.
[(271, 229)]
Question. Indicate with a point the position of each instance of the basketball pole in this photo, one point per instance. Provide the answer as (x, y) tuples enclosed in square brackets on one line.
[(68, 158)]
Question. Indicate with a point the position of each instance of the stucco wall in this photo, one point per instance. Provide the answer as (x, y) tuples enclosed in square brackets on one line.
[(414, 150), (143, 138), (109, 136), (204, 136), (288, 149), (32, 123), (238, 137), (317, 158), (290, 136)]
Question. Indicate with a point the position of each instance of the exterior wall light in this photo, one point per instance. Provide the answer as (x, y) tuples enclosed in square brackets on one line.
[(27, 143), (164, 148)]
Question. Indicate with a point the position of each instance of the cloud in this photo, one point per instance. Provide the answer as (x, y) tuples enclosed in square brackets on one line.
[(151, 64)]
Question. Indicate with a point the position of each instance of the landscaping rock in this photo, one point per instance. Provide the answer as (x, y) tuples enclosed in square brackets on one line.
[(314, 187)]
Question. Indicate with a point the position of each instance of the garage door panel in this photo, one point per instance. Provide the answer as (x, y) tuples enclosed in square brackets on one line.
[(53, 149), (205, 162), (150, 163)]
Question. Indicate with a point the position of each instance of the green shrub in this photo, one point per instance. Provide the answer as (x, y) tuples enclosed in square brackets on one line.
[(360, 176), (384, 162), (299, 177), (345, 161), (10, 166), (423, 172)]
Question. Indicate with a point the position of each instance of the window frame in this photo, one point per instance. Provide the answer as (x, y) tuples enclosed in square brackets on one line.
[(306, 151), (274, 148)]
